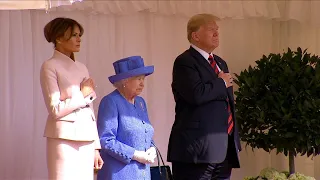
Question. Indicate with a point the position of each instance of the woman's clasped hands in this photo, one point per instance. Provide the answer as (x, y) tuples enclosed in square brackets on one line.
[(87, 88), (145, 157)]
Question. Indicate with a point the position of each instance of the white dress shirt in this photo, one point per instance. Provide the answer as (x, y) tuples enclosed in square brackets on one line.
[(206, 56)]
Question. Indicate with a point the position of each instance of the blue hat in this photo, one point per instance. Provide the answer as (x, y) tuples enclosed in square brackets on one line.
[(130, 67)]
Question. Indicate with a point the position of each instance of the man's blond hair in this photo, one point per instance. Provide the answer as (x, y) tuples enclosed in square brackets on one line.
[(198, 20)]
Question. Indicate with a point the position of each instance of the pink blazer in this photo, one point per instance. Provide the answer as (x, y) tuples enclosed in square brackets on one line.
[(68, 118)]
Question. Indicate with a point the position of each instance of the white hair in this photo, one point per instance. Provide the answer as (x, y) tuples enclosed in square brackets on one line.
[(119, 84)]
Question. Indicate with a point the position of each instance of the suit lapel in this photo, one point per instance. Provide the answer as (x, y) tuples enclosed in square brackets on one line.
[(220, 63), (202, 61), (225, 69)]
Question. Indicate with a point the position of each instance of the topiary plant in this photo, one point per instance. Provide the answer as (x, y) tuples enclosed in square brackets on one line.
[(278, 104)]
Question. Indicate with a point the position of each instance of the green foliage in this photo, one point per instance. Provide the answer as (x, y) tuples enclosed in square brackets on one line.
[(278, 103), (250, 178), (286, 173), (298, 176), (273, 174)]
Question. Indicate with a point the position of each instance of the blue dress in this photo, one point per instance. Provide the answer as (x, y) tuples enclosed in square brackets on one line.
[(123, 128)]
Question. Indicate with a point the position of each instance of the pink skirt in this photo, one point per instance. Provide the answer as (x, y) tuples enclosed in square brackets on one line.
[(70, 160)]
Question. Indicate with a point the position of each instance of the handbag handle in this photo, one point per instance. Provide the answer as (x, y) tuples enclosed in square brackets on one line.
[(158, 154)]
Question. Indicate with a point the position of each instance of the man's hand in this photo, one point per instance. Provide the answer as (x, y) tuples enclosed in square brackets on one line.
[(227, 78)]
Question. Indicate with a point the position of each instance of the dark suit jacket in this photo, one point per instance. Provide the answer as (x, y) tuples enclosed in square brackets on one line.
[(199, 133)]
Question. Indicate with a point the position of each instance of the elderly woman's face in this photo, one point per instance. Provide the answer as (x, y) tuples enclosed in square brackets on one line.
[(135, 85)]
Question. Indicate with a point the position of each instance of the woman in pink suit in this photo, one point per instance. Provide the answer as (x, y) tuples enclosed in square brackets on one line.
[(72, 138)]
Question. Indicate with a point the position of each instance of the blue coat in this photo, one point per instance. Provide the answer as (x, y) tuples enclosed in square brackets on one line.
[(123, 128)]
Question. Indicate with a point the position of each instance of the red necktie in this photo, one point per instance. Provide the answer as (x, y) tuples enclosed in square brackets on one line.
[(216, 70)]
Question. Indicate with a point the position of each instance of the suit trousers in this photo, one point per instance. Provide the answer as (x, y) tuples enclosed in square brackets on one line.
[(206, 171), (70, 160)]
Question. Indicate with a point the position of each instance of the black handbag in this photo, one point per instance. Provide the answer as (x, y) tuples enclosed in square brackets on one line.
[(160, 172)]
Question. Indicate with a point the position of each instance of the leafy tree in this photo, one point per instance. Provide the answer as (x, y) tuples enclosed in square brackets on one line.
[(278, 104)]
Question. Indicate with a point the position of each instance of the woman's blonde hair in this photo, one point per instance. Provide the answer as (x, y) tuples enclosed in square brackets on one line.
[(196, 21)]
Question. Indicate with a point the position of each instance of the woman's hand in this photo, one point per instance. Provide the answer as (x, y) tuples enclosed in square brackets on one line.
[(90, 98), (141, 157), (87, 87), (152, 153), (145, 157), (98, 162)]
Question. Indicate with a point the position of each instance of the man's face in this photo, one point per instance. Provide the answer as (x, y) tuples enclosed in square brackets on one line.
[(208, 36)]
